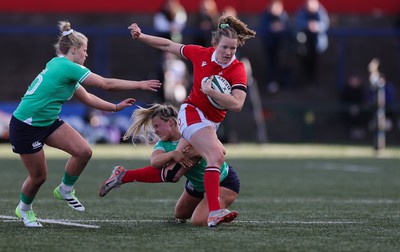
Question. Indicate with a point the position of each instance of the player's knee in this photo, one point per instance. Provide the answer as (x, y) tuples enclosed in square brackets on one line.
[(180, 214), (181, 211), (215, 158), (85, 154), (219, 158), (39, 179), (221, 152)]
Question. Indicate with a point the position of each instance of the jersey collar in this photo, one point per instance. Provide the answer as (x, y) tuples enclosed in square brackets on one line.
[(214, 59)]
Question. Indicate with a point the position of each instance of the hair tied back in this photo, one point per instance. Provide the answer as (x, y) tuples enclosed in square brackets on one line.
[(66, 33), (222, 26)]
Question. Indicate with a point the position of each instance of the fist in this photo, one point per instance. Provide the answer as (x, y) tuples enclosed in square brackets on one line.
[(135, 30)]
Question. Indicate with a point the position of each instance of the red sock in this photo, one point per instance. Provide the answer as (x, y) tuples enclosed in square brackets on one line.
[(146, 174), (211, 185)]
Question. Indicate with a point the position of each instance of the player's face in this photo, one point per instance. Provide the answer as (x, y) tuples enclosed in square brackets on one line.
[(162, 128), (225, 50), (81, 54)]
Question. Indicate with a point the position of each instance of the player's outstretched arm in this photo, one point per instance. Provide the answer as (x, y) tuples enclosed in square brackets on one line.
[(153, 41), (112, 84), (95, 102)]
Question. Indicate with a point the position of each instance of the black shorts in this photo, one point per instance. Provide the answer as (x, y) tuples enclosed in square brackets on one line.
[(231, 182), (27, 139)]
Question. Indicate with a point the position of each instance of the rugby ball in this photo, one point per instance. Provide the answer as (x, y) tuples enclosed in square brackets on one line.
[(221, 85)]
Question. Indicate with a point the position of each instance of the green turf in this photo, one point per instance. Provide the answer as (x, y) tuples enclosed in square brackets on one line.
[(285, 204)]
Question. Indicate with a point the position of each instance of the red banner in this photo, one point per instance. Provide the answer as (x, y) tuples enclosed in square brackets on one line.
[(140, 6)]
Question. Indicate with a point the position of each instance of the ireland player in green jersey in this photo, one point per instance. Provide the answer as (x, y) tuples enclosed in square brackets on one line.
[(36, 120), (162, 119)]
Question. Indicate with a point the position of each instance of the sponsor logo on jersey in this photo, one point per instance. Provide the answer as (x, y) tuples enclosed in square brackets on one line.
[(204, 63)]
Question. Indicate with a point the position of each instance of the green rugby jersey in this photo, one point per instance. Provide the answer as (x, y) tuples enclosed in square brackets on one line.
[(41, 104), (196, 174)]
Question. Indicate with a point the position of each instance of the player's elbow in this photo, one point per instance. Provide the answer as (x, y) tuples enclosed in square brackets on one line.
[(236, 108), (108, 85), (155, 165), (107, 88)]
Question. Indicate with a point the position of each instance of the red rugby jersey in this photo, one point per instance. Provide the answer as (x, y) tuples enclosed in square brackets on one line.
[(203, 66)]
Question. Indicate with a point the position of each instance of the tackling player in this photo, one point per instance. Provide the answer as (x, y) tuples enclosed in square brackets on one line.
[(191, 204)]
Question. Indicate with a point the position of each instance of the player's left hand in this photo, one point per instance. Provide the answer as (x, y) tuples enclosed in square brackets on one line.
[(125, 103)]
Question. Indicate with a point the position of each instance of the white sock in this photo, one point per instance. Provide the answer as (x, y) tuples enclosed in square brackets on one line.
[(65, 189), (24, 207)]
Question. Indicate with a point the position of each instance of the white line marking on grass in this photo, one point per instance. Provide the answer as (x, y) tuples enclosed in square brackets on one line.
[(343, 167), (4, 218), (60, 222), (67, 223), (97, 200), (8, 217)]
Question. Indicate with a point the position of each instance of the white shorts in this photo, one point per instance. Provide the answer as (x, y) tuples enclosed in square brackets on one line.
[(191, 120)]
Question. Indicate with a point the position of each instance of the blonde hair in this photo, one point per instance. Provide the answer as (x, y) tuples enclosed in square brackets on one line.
[(141, 120), (232, 27), (68, 38)]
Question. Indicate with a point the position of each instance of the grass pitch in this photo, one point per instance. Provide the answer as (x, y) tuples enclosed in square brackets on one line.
[(293, 198)]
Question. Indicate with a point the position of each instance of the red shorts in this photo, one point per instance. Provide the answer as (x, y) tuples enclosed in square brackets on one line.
[(191, 119)]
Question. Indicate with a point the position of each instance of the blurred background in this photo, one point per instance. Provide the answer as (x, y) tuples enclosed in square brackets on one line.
[(319, 71)]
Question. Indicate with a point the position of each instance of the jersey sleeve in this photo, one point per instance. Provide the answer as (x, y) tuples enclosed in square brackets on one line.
[(77, 73), (159, 146), (190, 51), (239, 77)]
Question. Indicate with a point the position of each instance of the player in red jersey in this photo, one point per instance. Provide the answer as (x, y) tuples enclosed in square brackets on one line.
[(198, 118)]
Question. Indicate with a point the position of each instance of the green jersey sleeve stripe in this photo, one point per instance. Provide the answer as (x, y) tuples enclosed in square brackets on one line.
[(84, 76)]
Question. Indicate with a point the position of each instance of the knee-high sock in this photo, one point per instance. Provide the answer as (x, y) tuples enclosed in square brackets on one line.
[(211, 185), (146, 174)]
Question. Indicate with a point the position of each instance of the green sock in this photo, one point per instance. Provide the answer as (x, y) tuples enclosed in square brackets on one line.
[(25, 200), (68, 179)]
